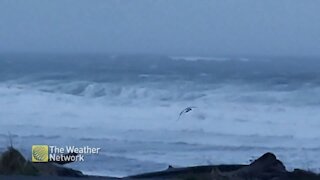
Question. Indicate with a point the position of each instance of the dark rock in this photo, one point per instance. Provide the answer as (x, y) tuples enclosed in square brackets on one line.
[(170, 167), (264, 168), (12, 162), (267, 167), (56, 170), (196, 172), (299, 174)]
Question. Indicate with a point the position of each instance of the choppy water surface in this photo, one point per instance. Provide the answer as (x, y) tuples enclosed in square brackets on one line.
[(129, 105)]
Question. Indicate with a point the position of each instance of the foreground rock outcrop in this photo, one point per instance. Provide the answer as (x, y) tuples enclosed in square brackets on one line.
[(13, 163), (267, 167)]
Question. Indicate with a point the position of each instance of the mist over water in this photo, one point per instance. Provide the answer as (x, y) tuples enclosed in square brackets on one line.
[(129, 104)]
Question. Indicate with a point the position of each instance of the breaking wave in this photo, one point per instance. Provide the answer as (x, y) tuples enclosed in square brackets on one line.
[(129, 106)]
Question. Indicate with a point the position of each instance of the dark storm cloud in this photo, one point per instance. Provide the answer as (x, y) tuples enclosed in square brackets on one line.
[(273, 27)]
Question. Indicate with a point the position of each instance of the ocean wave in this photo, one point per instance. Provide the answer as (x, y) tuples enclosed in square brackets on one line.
[(130, 106), (175, 91)]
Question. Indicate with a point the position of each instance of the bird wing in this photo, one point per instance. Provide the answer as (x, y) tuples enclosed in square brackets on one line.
[(185, 111)]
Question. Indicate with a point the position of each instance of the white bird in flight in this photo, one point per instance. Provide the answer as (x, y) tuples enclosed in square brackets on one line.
[(186, 110)]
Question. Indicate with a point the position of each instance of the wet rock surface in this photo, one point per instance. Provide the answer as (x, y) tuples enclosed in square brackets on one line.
[(14, 166)]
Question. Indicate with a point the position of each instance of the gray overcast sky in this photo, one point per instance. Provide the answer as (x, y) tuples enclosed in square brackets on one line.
[(176, 27)]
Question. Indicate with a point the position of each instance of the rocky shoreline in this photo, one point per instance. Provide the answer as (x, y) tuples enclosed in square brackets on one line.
[(14, 166)]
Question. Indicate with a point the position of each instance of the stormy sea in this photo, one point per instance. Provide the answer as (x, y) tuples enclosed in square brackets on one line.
[(128, 105)]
